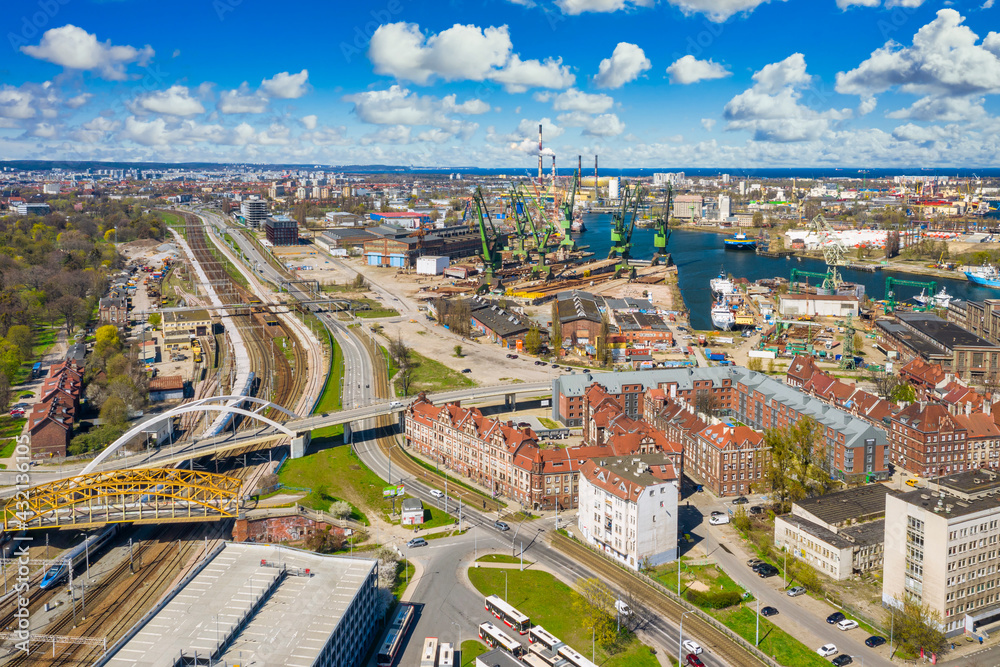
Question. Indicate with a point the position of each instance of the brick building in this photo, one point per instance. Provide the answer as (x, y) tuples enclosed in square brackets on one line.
[(51, 420), (281, 230), (729, 460), (925, 439), (113, 310)]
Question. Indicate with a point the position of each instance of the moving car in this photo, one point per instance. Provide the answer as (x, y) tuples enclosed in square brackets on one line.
[(847, 624), (835, 617), (874, 641), (417, 542), (622, 608), (842, 659), (826, 650), (436, 493), (694, 661), (501, 526), (796, 591), (768, 611), (718, 519), (466, 370), (691, 646)]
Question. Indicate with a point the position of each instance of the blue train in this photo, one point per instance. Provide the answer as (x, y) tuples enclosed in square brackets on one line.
[(77, 555)]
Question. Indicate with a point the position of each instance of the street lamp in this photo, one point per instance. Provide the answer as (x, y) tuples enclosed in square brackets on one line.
[(680, 636)]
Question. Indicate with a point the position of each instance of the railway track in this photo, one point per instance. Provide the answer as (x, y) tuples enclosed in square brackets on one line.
[(732, 652)]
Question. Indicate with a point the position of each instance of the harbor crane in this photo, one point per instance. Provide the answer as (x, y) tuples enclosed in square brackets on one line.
[(834, 251), (661, 235), (623, 224), (528, 229), (566, 208), (831, 279), (492, 241), (890, 292)]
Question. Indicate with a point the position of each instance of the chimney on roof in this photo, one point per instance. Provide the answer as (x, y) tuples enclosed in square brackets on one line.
[(968, 408)]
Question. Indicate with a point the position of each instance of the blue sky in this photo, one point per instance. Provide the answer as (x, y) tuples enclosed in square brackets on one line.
[(643, 83)]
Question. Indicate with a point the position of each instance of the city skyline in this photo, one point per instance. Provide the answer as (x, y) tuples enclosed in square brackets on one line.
[(697, 83)]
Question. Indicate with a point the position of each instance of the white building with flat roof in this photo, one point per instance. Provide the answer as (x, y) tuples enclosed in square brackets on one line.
[(261, 604), (254, 212)]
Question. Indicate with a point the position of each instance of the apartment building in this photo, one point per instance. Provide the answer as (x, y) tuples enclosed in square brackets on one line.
[(628, 508), (855, 448), (941, 549), (729, 460), (925, 439), (839, 534), (253, 212)]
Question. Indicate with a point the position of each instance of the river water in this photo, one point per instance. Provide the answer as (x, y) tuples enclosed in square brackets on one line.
[(700, 256)]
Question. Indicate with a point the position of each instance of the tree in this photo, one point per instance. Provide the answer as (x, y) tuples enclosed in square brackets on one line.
[(756, 364), (70, 308), (341, 509), (758, 219), (154, 319), (6, 394), (596, 610), (706, 402), (603, 349), (10, 359), (915, 626), (401, 355), (458, 351), (556, 341), (885, 383), (798, 466), (21, 336), (904, 393), (859, 343), (107, 341), (359, 283), (325, 541), (533, 341), (114, 412)]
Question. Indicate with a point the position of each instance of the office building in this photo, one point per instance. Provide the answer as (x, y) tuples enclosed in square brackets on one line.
[(253, 212), (281, 230)]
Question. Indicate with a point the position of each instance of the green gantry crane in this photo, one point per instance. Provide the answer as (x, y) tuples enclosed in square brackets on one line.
[(517, 211), (491, 240), (662, 234), (623, 225), (890, 293), (831, 279), (566, 208)]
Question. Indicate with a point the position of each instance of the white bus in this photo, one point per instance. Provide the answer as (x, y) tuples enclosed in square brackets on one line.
[(574, 658), (428, 657), (506, 613), (446, 658), (539, 635), (497, 638), (548, 657)]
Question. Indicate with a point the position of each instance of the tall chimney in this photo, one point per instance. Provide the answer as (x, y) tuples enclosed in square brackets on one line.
[(553, 169), (595, 177), (539, 151)]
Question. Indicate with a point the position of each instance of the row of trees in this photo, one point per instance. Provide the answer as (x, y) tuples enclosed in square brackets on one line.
[(402, 356)]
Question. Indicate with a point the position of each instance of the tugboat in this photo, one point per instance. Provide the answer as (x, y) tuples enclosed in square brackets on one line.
[(741, 242), (939, 300), (722, 316)]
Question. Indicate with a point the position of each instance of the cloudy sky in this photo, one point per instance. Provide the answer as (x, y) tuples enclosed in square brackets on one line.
[(643, 83)]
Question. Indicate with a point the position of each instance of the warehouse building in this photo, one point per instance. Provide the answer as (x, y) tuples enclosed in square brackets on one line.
[(234, 609)]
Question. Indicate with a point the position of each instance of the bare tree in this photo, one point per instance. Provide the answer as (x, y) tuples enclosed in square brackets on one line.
[(70, 308)]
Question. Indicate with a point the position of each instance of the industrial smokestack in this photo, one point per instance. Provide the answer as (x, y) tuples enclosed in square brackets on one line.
[(539, 151), (553, 169), (579, 166), (595, 177)]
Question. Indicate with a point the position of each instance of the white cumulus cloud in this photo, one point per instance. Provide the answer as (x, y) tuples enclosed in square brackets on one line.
[(241, 100), (285, 86), (600, 6), (626, 63), (75, 48), (462, 52), (604, 125), (309, 122), (575, 100), (689, 69), (174, 101), (718, 10)]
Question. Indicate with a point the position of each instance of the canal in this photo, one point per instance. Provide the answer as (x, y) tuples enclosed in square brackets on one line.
[(700, 256)]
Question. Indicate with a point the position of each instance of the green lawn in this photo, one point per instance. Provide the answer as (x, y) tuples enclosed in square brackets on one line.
[(434, 518), (10, 427), (549, 423), (171, 219), (284, 345), (329, 400), (472, 649), (501, 558), (774, 641), (402, 580), (547, 601), (377, 312), (433, 376), (340, 472), (710, 575)]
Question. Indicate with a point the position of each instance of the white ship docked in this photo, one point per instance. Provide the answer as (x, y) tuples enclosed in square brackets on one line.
[(722, 316), (721, 286)]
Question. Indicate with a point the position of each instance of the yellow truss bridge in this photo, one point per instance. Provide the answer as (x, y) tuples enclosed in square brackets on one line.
[(151, 495)]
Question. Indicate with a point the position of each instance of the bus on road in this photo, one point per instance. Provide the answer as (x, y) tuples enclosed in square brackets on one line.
[(497, 638), (506, 613), (393, 642), (428, 657)]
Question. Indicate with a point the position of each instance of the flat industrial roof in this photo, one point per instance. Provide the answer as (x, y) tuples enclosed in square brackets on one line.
[(945, 333), (859, 504), (294, 623)]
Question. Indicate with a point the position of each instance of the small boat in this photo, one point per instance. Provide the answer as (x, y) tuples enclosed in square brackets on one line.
[(721, 286), (985, 275), (941, 299), (922, 298), (577, 225), (741, 241), (722, 316)]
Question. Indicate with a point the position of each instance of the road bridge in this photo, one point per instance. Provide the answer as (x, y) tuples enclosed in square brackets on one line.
[(157, 495)]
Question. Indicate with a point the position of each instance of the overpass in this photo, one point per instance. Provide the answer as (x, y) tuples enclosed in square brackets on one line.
[(158, 495)]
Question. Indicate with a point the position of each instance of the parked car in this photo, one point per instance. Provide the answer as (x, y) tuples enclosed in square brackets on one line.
[(555, 365), (437, 493), (841, 660), (466, 370), (847, 624), (766, 570), (539, 363), (417, 542), (513, 356), (874, 641), (510, 356), (753, 562), (694, 661), (756, 509), (501, 526), (742, 500), (691, 646), (768, 611), (835, 617), (796, 591), (718, 520), (826, 650), (911, 483)]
